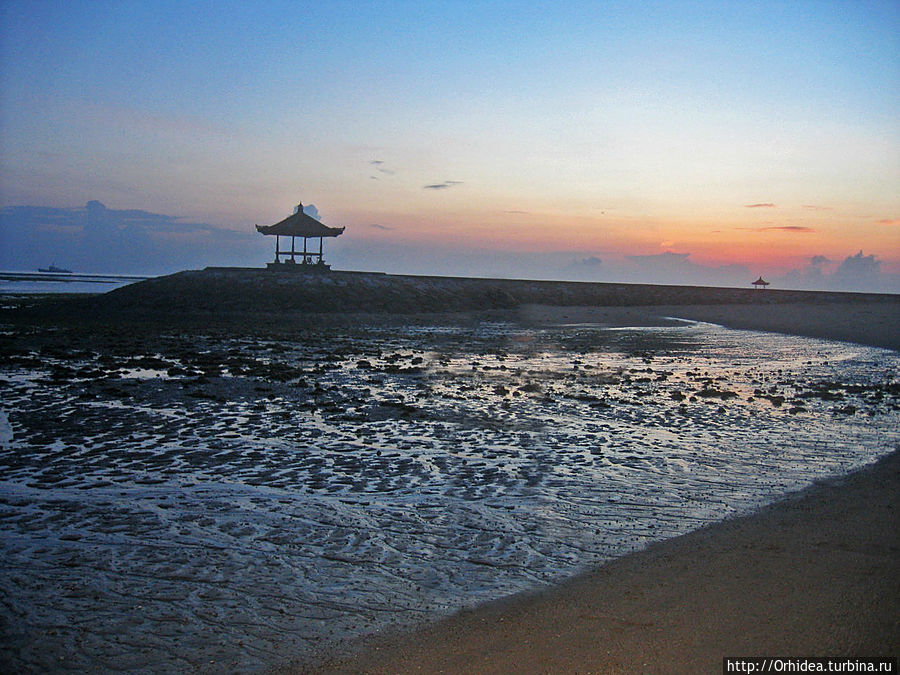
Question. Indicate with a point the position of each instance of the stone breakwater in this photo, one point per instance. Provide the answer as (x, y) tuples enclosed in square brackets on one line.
[(243, 290)]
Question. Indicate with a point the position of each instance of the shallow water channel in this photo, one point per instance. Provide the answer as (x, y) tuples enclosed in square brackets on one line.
[(231, 504)]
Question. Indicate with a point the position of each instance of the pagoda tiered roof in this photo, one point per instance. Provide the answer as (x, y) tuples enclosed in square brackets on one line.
[(300, 225)]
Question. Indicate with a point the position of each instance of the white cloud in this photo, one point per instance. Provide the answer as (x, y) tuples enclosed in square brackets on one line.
[(312, 211)]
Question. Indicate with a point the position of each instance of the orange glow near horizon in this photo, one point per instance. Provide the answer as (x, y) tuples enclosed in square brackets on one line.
[(768, 242), (525, 137)]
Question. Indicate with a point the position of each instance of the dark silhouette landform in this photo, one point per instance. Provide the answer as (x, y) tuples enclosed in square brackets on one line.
[(269, 300)]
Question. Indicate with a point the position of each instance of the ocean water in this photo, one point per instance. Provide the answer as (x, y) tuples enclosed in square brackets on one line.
[(30, 283), (223, 504)]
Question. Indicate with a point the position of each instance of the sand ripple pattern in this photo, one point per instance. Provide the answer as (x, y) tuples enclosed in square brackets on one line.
[(225, 504)]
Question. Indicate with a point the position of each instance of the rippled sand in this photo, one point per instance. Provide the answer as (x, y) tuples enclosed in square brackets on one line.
[(233, 503)]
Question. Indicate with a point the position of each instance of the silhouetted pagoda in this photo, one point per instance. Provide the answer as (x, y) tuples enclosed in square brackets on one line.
[(760, 283), (299, 225)]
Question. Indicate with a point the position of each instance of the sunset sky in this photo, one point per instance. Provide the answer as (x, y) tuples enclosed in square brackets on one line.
[(594, 140)]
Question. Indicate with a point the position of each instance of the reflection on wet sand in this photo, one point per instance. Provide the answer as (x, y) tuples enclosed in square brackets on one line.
[(221, 502)]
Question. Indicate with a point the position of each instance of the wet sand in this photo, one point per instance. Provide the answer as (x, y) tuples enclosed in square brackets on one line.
[(875, 323), (867, 323), (816, 574)]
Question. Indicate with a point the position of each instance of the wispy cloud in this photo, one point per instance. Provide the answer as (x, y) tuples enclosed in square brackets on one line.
[(381, 168), (813, 207), (141, 120), (443, 186), (515, 211), (780, 228), (766, 205), (888, 221), (380, 227), (788, 228)]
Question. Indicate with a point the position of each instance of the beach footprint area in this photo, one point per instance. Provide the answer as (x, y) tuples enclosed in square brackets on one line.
[(225, 503)]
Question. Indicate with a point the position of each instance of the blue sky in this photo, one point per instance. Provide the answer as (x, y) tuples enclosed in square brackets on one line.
[(607, 131)]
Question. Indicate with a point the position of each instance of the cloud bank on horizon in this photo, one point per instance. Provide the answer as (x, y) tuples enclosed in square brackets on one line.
[(141, 242), (661, 141), (96, 239)]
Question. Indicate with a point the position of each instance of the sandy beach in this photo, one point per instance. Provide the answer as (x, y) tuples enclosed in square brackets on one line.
[(867, 322), (384, 468), (817, 574)]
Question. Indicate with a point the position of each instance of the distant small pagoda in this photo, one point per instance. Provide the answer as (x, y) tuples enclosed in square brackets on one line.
[(299, 224), (760, 283)]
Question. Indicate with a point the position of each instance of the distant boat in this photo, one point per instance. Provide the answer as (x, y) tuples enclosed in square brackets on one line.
[(54, 270)]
